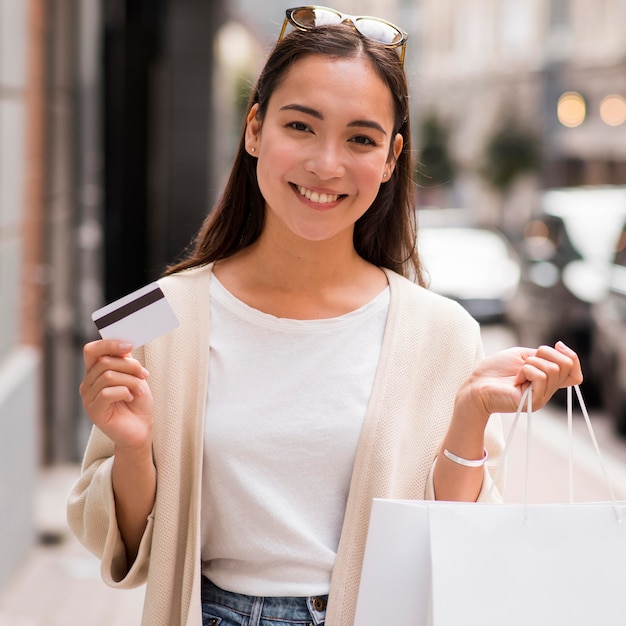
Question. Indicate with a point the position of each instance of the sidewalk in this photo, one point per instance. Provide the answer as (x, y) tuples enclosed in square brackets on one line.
[(59, 583)]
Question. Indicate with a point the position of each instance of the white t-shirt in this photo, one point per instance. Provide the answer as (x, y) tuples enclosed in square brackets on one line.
[(286, 401)]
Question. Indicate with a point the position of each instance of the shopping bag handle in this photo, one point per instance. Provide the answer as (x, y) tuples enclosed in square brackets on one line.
[(526, 399)]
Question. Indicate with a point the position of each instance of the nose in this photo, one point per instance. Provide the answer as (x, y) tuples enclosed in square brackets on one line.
[(326, 161)]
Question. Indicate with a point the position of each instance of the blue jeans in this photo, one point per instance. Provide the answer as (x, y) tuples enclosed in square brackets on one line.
[(223, 608)]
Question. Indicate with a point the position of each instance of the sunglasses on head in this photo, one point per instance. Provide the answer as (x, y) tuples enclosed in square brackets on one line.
[(381, 31)]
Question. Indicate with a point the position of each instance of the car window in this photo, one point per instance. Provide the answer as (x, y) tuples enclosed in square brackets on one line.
[(620, 255), (618, 273), (546, 239)]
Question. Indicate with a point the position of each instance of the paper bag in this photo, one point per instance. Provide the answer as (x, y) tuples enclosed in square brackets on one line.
[(451, 564), (533, 565), (395, 578)]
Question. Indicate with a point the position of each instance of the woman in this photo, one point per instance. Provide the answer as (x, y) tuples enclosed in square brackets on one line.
[(308, 374)]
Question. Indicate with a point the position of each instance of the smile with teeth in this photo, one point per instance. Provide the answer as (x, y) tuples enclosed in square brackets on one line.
[(314, 196)]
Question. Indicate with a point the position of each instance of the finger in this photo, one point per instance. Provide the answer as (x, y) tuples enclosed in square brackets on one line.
[(99, 405), (569, 365), (575, 376), (549, 370), (109, 389), (94, 350), (538, 379), (534, 367), (546, 371), (554, 363), (555, 370), (125, 365)]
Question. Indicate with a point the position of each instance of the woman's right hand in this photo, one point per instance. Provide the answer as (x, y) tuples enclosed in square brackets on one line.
[(116, 395)]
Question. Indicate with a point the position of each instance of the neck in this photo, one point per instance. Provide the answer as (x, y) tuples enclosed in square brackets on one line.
[(288, 276), (306, 264)]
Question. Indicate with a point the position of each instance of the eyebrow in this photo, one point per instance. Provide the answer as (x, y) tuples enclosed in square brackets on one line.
[(316, 114)]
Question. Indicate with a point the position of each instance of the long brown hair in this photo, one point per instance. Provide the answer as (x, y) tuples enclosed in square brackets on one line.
[(385, 235)]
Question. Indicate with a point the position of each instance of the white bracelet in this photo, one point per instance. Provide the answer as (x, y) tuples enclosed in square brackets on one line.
[(465, 462)]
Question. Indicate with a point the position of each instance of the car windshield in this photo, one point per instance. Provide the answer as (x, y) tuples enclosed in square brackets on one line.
[(467, 262), (592, 218)]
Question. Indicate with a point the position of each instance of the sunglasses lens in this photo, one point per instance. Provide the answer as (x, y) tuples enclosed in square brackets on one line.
[(379, 31), (312, 17), (307, 18)]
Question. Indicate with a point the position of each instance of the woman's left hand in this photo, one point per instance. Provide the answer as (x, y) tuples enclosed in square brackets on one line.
[(498, 382)]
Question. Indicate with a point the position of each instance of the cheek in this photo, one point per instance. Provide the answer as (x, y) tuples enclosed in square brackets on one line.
[(368, 174), (275, 158)]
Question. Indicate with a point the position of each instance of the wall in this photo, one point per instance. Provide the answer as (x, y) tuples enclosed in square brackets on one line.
[(19, 362)]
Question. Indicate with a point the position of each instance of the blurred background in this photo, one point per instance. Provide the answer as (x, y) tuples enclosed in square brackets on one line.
[(118, 120)]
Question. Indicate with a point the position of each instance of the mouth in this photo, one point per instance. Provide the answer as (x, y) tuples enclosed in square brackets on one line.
[(316, 197)]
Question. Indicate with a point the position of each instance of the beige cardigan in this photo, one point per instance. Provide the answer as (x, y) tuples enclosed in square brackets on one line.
[(430, 346)]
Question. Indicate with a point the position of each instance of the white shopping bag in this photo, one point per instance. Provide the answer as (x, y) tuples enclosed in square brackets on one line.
[(528, 565), (452, 564), (395, 579)]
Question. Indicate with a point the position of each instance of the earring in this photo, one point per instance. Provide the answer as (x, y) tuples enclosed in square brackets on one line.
[(385, 175), (252, 149)]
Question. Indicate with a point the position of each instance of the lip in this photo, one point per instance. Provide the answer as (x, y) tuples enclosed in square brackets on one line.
[(319, 206)]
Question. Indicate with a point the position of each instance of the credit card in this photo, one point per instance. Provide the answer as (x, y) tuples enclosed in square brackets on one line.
[(138, 318)]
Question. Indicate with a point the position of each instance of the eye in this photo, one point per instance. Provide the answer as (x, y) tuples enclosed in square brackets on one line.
[(300, 126), (362, 140)]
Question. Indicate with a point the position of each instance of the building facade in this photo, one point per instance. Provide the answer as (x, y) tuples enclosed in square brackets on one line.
[(20, 276), (556, 69), (105, 163)]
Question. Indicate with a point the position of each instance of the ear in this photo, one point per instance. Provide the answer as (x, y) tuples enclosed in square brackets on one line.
[(253, 129), (396, 150)]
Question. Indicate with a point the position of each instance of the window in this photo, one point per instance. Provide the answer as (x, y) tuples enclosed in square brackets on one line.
[(515, 27), (560, 15)]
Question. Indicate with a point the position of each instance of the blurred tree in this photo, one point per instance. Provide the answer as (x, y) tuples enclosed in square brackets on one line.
[(434, 166), (510, 151)]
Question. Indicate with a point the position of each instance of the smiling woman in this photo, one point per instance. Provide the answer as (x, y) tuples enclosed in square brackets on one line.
[(311, 370)]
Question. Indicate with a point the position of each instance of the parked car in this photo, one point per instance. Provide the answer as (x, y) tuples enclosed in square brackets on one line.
[(608, 355), (566, 256), (475, 266)]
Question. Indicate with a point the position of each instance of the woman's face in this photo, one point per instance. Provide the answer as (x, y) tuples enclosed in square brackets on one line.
[(323, 147)]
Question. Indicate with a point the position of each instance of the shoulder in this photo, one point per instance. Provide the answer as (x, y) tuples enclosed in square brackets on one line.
[(413, 299), (426, 328), (187, 292), (187, 289), (186, 279)]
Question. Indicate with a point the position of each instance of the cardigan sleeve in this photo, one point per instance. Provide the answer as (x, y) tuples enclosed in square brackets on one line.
[(92, 517), (494, 444)]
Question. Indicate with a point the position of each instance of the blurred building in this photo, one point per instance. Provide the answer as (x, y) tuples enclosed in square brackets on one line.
[(20, 276), (553, 70), (106, 165)]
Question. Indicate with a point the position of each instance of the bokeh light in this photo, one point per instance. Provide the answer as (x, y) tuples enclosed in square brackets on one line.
[(571, 109), (613, 110)]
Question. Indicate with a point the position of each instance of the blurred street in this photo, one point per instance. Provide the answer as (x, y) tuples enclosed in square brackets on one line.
[(59, 583)]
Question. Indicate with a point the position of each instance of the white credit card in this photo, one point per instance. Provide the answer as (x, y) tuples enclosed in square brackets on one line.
[(138, 318)]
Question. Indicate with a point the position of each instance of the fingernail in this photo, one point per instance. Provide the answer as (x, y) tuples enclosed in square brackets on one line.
[(125, 346), (145, 372), (560, 344)]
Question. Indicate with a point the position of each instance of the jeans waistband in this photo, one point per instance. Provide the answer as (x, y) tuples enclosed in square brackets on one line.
[(306, 608)]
